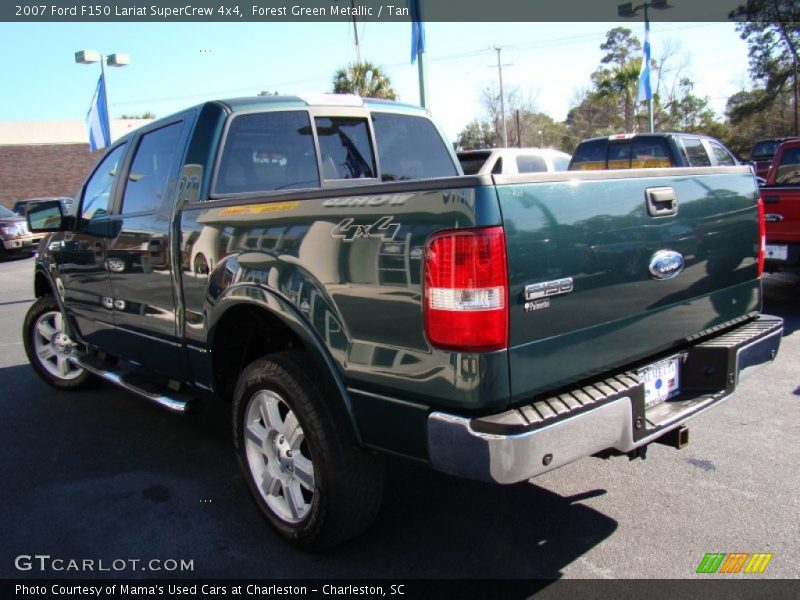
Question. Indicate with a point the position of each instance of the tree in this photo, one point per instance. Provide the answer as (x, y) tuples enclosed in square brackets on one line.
[(591, 115), (145, 115), (619, 80), (363, 79), (684, 111), (620, 46), (774, 121), (771, 29), (477, 134)]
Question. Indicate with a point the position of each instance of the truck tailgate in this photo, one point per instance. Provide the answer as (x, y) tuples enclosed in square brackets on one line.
[(782, 207), (591, 239)]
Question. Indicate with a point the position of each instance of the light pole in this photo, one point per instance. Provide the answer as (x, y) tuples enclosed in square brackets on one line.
[(86, 57), (502, 96), (628, 10)]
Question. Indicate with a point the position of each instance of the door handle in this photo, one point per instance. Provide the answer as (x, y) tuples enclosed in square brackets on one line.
[(661, 201)]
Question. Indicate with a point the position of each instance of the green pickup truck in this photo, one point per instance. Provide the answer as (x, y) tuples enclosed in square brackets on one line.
[(323, 264)]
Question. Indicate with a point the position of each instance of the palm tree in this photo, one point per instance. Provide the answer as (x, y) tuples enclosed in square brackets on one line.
[(621, 82), (363, 79)]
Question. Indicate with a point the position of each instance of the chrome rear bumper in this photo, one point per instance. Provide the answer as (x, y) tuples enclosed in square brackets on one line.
[(610, 414)]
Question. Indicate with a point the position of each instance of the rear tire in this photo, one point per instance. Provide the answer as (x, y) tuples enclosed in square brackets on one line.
[(49, 348), (312, 485)]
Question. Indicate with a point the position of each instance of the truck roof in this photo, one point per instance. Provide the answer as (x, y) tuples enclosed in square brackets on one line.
[(254, 103), (639, 134), (316, 100)]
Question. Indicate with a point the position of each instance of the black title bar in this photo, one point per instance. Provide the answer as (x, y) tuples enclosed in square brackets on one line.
[(280, 11)]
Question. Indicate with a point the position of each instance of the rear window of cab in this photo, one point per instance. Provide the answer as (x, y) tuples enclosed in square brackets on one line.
[(636, 153), (277, 150)]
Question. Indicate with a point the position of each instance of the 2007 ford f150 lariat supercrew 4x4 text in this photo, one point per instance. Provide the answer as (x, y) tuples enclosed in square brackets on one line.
[(324, 265)]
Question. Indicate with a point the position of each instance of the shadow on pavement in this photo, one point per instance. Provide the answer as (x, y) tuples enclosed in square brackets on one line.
[(104, 475), (781, 294)]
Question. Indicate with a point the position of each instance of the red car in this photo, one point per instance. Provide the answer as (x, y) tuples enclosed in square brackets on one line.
[(763, 153), (781, 196)]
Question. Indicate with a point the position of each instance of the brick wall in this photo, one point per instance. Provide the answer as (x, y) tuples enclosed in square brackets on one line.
[(36, 170)]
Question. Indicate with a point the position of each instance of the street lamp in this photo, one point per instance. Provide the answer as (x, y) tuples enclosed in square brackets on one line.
[(628, 10), (118, 59)]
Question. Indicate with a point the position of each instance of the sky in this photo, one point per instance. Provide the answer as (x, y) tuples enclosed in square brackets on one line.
[(177, 65)]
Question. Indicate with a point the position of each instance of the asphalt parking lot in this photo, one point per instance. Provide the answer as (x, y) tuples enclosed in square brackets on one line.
[(105, 475)]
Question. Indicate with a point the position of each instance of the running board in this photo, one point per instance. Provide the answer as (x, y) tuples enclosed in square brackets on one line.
[(131, 378)]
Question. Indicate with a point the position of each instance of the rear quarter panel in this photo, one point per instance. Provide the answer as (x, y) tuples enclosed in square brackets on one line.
[(349, 262)]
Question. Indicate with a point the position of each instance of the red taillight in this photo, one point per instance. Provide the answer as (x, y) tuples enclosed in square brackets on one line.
[(466, 290), (762, 236)]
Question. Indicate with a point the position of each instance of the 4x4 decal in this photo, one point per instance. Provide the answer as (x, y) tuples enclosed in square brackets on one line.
[(383, 229)]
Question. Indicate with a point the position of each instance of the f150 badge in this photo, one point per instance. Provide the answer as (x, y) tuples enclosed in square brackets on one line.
[(537, 294), (347, 230), (666, 264)]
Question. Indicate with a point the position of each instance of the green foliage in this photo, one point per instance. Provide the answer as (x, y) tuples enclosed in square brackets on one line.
[(686, 111), (592, 115), (775, 120), (771, 29), (363, 79), (620, 46), (476, 135), (145, 115)]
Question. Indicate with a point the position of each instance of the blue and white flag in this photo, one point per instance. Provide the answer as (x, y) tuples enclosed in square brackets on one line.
[(97, 119), (417, 29), (645, 93)]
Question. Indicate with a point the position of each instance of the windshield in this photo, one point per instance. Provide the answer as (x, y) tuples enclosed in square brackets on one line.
[(4, 212)]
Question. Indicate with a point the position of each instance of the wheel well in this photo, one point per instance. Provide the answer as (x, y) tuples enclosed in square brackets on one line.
[(243, 334), (41, 286)]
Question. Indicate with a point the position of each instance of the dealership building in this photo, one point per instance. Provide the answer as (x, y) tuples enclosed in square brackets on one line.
[(48, 158)]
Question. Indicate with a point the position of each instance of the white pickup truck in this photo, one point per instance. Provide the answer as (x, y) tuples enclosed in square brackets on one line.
[(512, 161)]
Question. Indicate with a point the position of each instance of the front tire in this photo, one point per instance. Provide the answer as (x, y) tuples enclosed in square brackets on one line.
[(49, 348), (313, 487)]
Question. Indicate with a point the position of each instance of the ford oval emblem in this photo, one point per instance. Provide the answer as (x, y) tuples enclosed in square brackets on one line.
[(666, 264)]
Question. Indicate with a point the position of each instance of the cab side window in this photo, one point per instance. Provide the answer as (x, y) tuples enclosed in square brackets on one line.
[(149, 173), (696, 152), (97, 192), (789, 168), (268, 151), (723, 156), (531, 164)]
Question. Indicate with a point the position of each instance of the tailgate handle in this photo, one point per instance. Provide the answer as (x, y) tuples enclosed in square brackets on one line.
[(661, 201)]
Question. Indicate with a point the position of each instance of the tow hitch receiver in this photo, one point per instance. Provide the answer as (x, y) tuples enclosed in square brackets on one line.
[(677, 438)]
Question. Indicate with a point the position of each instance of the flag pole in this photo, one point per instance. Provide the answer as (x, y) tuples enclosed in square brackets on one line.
[(650, 122), (419, 45), (422, 69), (105, 95)]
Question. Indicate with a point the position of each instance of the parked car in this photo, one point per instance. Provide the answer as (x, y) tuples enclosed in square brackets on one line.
[(21, 206), (510, 161), (357, 294), (14, 234), (650, 150), (781, 196), (763, 153)]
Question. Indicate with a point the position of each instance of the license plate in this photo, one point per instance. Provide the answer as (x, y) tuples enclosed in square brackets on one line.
[(661, 381), (777, 251)]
